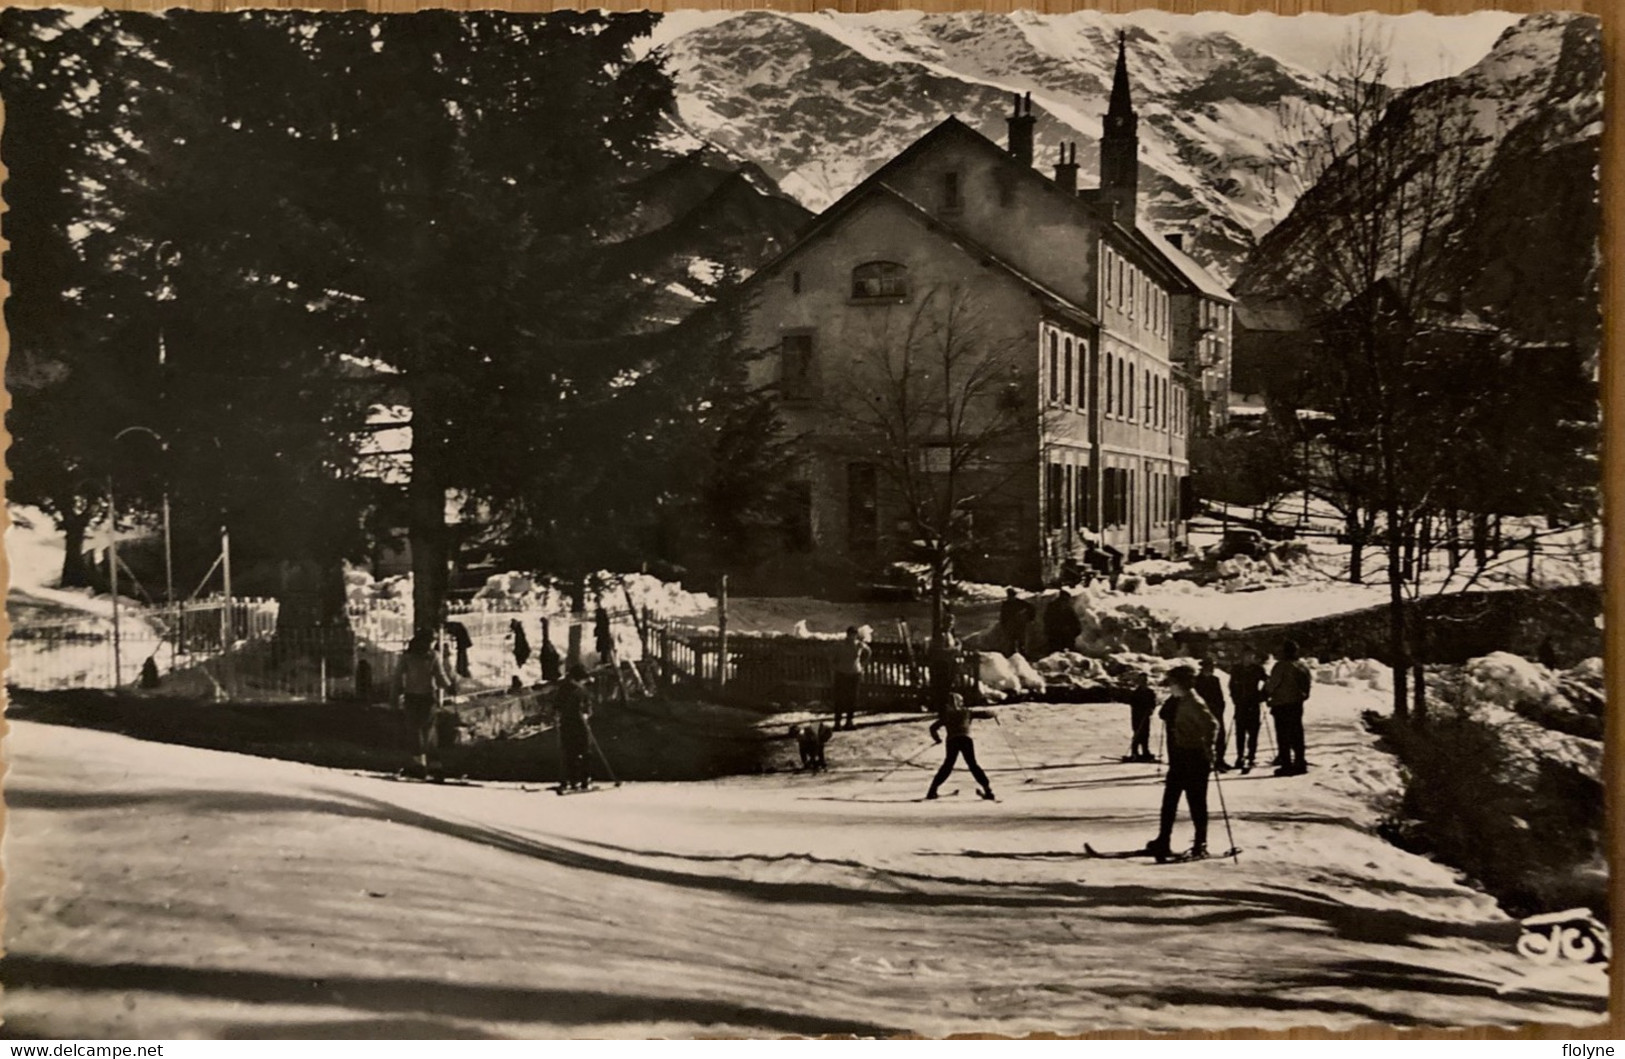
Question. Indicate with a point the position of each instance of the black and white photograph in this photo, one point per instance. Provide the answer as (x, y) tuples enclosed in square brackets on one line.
[(749, 524)]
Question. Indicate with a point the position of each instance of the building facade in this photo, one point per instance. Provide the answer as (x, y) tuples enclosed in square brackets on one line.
[(1062, 342)]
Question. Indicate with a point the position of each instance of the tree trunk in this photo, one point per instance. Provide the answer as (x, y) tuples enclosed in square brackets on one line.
[(426, 528), (939, 593), (1399, 655), (1453, 538), (1420, 655), (1481, 540), (1356, 549), (73, 527)]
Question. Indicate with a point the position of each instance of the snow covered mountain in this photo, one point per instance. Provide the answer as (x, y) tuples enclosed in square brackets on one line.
[(1525, 238), (820, 101)]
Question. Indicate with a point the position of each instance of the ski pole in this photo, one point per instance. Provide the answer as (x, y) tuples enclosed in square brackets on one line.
[(1235, 854), (592, 738), (1012, 747), (1160, 733), (906, 761)]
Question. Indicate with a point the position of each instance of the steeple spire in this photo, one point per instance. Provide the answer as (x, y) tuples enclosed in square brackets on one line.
[(1120, 144)]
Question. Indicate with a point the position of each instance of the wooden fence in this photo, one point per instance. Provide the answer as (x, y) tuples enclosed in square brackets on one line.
[(761, 670)]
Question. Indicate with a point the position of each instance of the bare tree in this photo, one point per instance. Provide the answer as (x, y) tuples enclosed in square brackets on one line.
[(946, 407), (1370, 250)]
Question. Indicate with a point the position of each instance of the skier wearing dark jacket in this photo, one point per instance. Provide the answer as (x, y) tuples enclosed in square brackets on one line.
[(1190, 759), (574, 705), (1288, 689), (1247, 693), (956, 717), (1142, 703), (1212, 695)]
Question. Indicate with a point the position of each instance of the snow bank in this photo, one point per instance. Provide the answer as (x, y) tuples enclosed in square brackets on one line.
[(996, 672), (1507, 680)]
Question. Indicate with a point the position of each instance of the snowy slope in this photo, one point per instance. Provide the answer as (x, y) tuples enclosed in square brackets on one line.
[(173, 892)]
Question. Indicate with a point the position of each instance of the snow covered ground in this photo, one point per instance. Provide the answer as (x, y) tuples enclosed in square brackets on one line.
[(164, 891)]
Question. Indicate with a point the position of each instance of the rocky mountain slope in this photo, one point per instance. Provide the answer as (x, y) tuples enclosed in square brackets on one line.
[(1524, 238), (821, 101)]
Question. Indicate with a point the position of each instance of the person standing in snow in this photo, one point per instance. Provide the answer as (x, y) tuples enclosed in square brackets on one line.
[(552, 664), (1142, 703), (521, 644), (1247, 695), (1015, 618), (851, 659), (1212, 694), (1190, 761), (1062, 626), (956, 718), (573, 704), (418, 678), (1287, 689)]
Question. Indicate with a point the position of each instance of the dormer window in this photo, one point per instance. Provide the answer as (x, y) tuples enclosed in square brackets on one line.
[(880, 281)]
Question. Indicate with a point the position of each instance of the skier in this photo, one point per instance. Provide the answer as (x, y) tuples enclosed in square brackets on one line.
[(851, 658), (573, 703), (552, 664), (1142, 703), (1212, 693), (1015, 617), (1247, 693), (956, 717), (1062, 626), (1288, 689), (1190, 759), (418, 676), (943, 664)]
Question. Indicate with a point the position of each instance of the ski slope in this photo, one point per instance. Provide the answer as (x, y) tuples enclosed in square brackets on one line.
[(161, 891)]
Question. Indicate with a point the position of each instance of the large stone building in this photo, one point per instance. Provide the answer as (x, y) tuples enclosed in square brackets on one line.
[(1040, 304)]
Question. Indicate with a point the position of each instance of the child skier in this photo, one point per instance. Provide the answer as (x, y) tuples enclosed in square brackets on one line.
[(851, 658), (956, 717), (1142, 703)]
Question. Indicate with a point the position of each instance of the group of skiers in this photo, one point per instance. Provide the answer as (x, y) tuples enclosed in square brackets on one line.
[(421, 678)]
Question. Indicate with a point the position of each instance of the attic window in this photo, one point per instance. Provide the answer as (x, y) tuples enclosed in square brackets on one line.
[(880, 280)]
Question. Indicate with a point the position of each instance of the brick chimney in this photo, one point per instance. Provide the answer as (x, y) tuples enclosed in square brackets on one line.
[(1066, 169), (1021, 129)]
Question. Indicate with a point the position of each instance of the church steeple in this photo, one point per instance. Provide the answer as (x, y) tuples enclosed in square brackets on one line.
[(1120, 143)]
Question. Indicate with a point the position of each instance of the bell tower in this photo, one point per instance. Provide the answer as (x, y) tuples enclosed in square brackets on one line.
[(1120, 145)]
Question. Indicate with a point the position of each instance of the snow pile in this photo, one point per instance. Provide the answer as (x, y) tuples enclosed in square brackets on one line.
[(1029, 677), (1071, 669), (1507, 680), (1355, 673), (996, 673), (1163, 568)]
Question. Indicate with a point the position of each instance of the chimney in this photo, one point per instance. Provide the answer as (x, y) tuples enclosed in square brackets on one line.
[(1021, 130), (1177, 240), (1066, 169)]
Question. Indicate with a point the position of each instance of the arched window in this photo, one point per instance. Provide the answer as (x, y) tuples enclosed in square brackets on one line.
[(1122, 403), (1054, 367), (881, 280), (1066, 375), (1111, 385)]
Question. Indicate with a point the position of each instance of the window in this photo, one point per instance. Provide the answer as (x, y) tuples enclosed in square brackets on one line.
[(798, 527), (1066, 374), (1187, 498), (1133, 281), (1111, 387), (1133, 412), (862, 509), (1122, 373), (1082, 399), (1054, 368), (1080, 499), (880, 280), (1106, 259), (951, 199), (1055, 497), (796, 367), (1122, 274), (1149, 399)]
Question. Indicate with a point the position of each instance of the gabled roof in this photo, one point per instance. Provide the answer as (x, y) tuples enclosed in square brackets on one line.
[(872, 188), (1177, 263), (1204, 281)]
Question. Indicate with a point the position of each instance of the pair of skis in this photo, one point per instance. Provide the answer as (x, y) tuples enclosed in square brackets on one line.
[(1168, 858)]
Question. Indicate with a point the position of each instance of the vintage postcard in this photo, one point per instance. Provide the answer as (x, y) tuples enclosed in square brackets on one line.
[(735, 523)]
